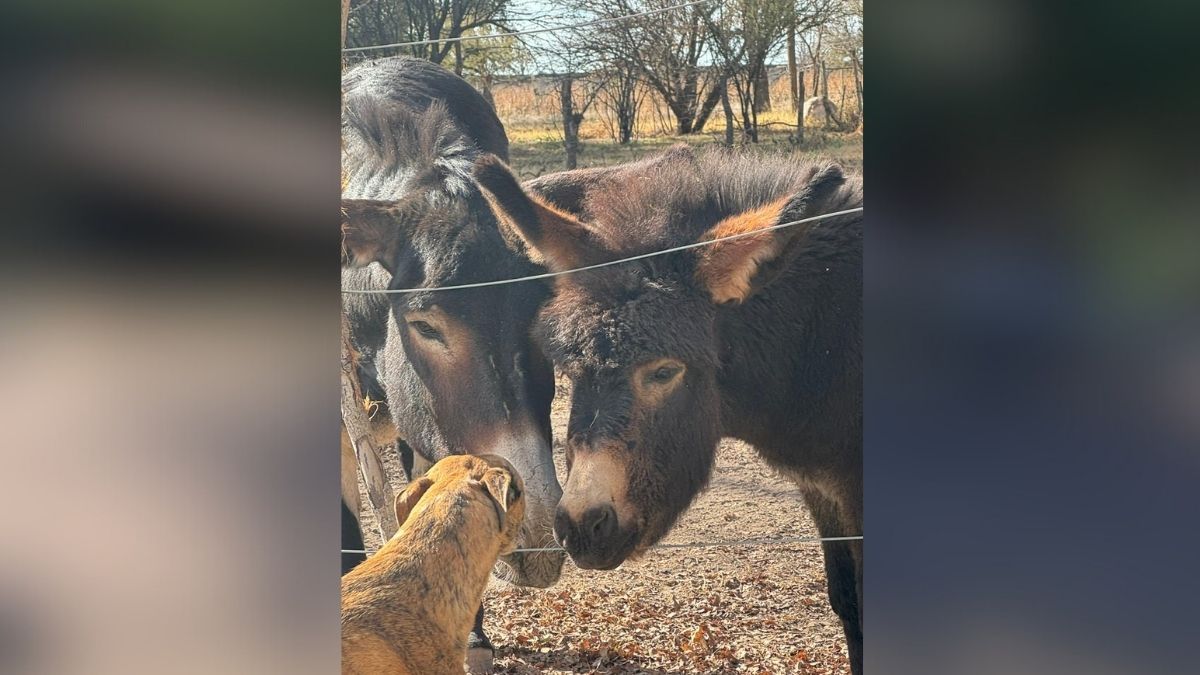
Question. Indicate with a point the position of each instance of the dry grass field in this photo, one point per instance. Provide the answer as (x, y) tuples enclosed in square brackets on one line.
[(534, 158), (530, 110), (530, 114)]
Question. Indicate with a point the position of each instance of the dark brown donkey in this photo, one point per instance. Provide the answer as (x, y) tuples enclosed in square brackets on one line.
[(758, 338), (459, 370)]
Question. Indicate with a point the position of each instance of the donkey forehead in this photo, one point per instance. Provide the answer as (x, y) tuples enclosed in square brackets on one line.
[(499, 314), (452, 254), (593, 328)]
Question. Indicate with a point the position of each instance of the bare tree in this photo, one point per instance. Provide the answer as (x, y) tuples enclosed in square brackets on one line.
[(373, 22), (838, 38), (483, 60), (622, 93), (580, 76), (848, 37), (745, 33), (793, 69), (666, 49), (573, 107)]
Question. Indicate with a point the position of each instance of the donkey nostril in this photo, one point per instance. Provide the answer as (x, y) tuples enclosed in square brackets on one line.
[(600, 522)]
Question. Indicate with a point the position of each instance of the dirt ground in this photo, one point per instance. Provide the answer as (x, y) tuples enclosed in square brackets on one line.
[(697, 610)]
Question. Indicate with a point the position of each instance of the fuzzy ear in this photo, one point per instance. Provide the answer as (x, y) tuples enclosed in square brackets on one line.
[(371, 231), (497, 482), (406, 500), (555, 238), (728, 268)]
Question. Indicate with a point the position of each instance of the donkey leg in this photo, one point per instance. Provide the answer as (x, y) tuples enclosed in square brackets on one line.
[(413, 463), (844, 592), (479, 647), (406, 458), (843, 574), (351, 540)]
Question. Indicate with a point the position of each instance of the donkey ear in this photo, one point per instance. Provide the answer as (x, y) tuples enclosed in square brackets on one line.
[(555, 238), (728, 268), (497, 482), (371, 231), (406, 500)]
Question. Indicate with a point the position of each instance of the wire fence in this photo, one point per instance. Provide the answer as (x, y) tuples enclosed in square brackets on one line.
[(498, 282), (643, 256), (755, 542), (750, 542), (531, 31)]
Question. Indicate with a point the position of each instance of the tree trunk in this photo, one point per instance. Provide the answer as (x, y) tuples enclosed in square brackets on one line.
[(486, 91), (830, 121), (800, 111), (345, 20), (707, 107), (458, 59), (570, 129), (626, 109), (752, 125), (762, 90), (793, 72), (858, 90), (684, 118), (724, 87), (357, 426), (436, 53), (746, 104), (816, 66)]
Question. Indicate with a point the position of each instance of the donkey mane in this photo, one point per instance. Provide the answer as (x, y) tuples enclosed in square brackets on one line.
[(672, 200), (399, 147)]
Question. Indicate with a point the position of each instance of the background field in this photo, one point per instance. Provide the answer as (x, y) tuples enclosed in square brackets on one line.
[(529, 109), (534, 158)]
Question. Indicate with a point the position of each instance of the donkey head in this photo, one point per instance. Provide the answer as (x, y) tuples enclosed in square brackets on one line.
[(641, 341), (461, 371)]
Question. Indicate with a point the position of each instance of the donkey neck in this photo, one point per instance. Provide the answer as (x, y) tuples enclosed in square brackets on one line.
[(796, 343)]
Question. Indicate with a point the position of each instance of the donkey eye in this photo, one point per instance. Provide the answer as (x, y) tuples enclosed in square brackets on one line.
[(425, 330), (664, 374)]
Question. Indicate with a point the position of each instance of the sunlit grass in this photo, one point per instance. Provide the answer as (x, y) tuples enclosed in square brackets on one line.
[(533, 155)]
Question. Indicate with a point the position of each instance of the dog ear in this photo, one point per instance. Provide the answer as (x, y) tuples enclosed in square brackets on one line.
[(497, 482), (728, 268), (406, 500), (554, 237), (372, 231)]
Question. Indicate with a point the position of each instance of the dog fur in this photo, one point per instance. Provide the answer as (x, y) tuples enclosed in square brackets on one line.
[(409, 607)]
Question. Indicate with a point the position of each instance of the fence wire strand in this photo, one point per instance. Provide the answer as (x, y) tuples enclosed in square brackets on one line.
[(531, 31), (754, 542), (760, 541), (548, 275)]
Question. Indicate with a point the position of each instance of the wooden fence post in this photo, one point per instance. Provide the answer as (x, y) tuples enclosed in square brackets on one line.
[(358, 428)]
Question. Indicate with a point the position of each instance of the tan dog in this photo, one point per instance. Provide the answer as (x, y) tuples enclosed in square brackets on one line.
[(408, 609)]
